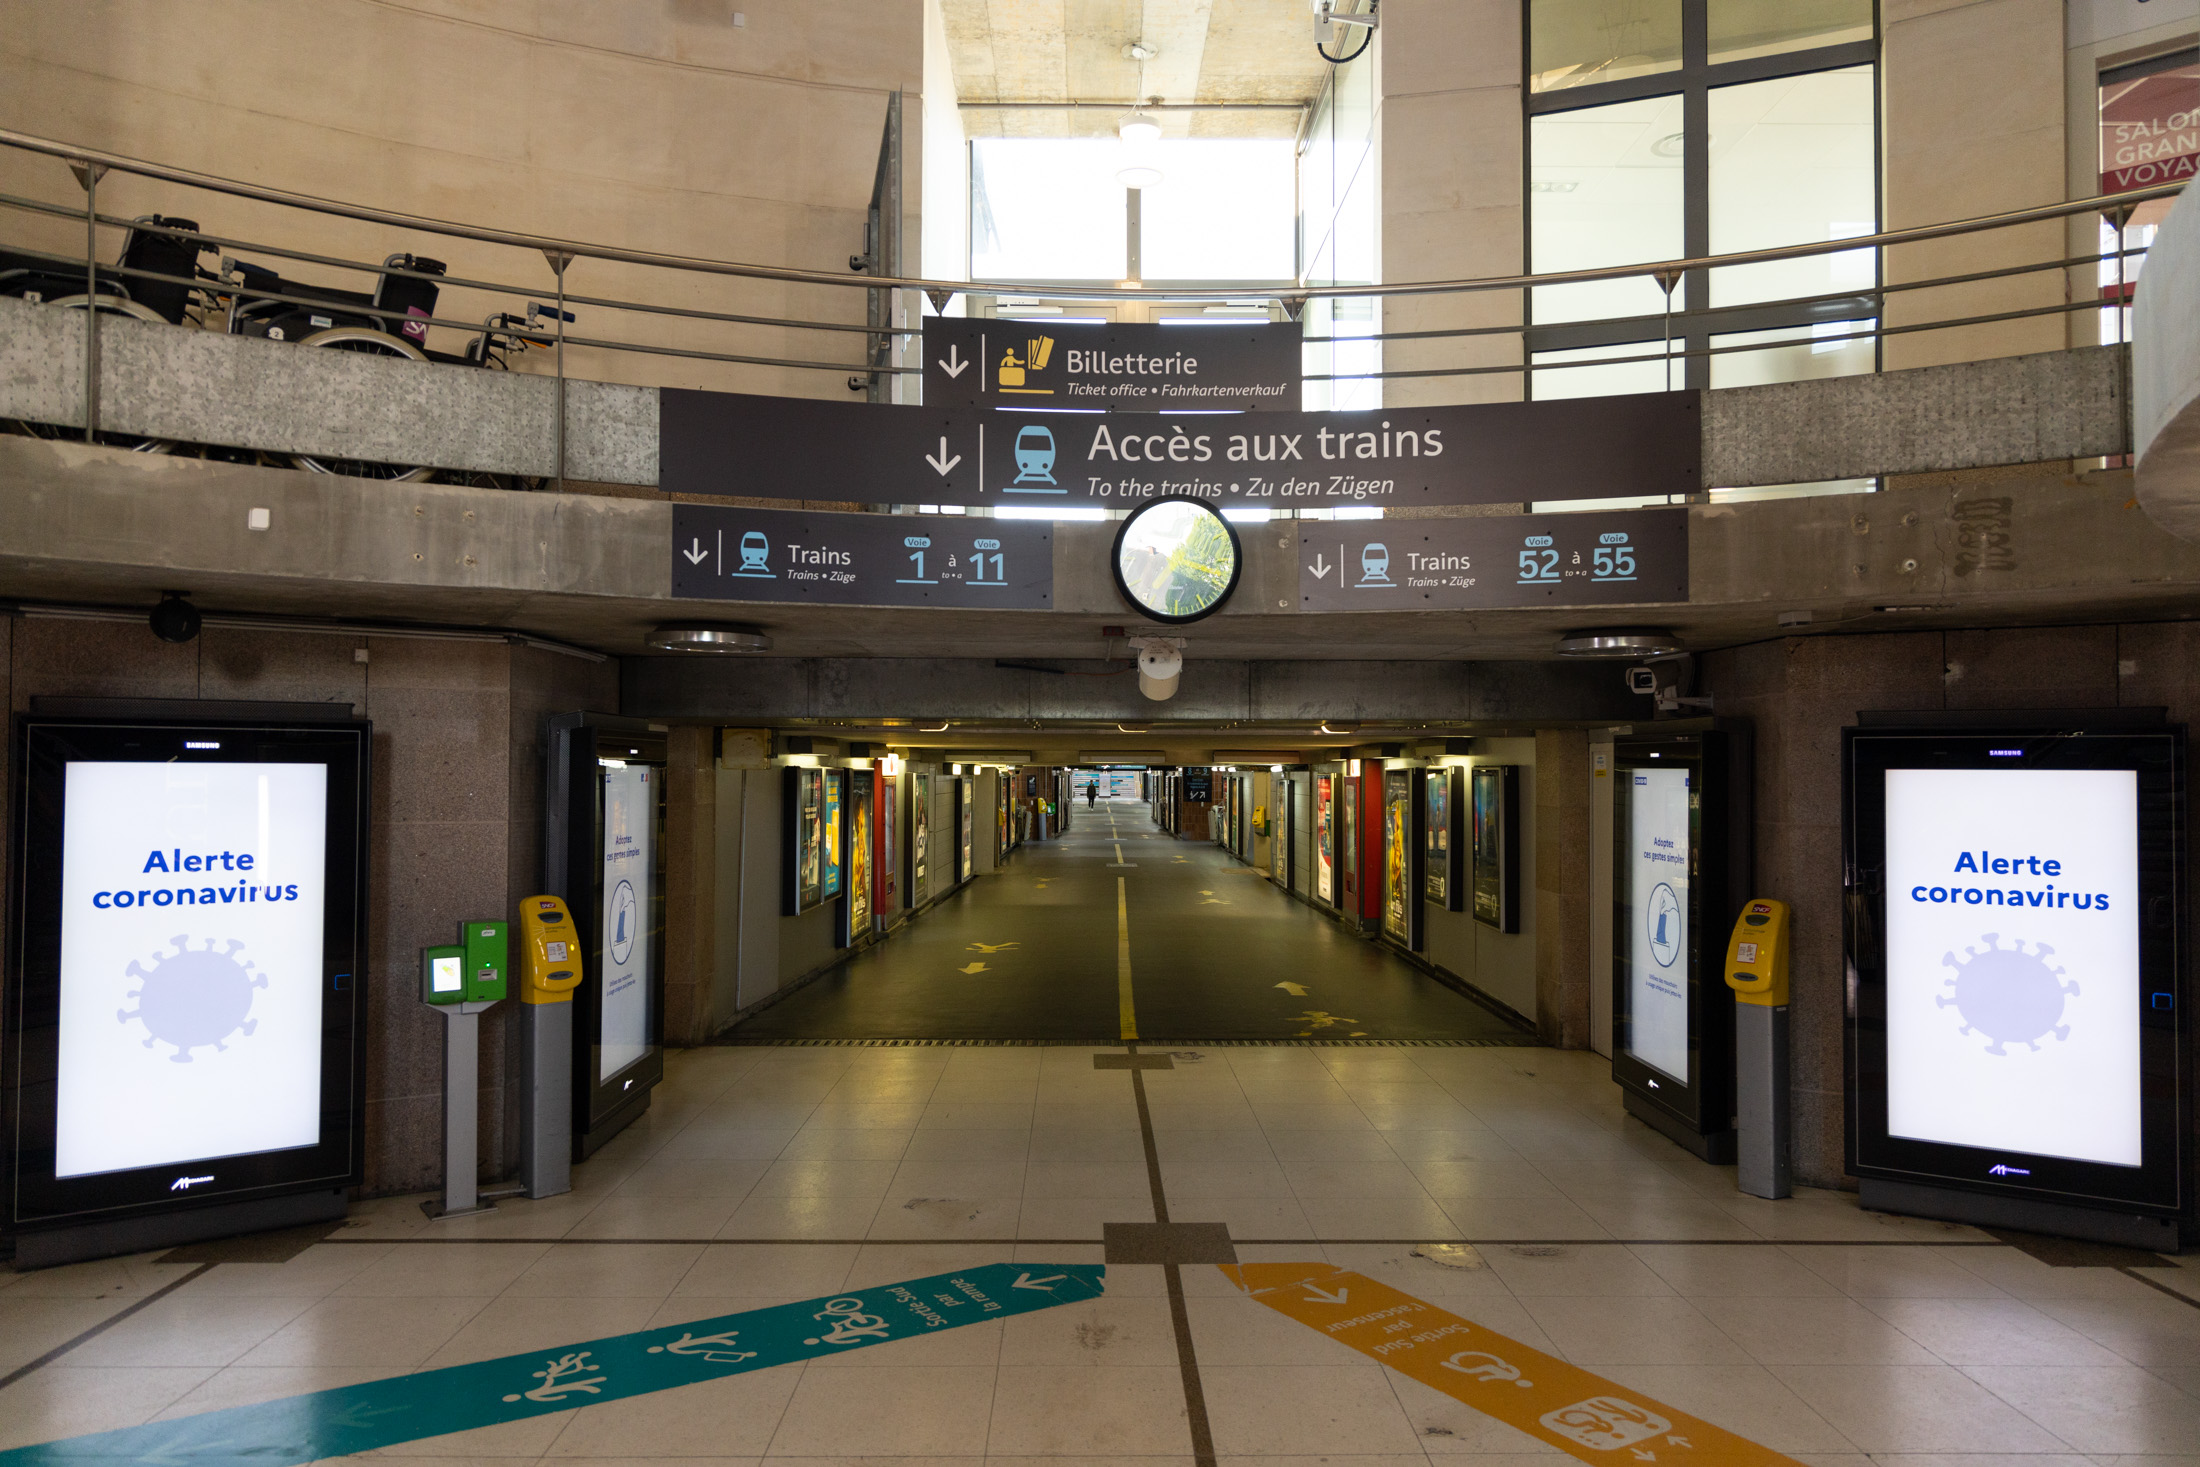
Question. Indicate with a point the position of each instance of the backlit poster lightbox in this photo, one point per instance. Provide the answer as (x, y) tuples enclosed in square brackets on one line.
[(2014, 934), (855, 915), (1325, 838), (183, 1005), (1402, 836), (1440, 850), (832, 844), (920, 837)]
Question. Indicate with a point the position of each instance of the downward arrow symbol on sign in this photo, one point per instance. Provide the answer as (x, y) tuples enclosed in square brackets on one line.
[(941, 461), (954, 364), (696, 555), (1320, 567)]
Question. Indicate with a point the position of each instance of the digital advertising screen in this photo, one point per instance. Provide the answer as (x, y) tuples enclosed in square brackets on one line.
[(1656, 867), (191, 922), (624, 950), (184, 962), (2014, 937)]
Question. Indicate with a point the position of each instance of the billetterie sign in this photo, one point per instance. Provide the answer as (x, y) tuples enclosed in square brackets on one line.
[(732, 444), (1231, 365)]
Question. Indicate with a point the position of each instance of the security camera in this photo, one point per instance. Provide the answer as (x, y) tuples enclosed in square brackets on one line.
[(1160, 664), (175, 619), (1642, 680)]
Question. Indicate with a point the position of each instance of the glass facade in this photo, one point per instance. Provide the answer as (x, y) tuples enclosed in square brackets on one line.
[(1338, 238), (1576, 43), (2150, 134), (1054, 209), (1682, 129)]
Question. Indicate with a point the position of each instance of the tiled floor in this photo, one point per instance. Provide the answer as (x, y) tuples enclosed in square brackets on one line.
[(764, 1176)]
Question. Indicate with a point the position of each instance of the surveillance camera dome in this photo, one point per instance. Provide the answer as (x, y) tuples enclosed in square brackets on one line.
[(1162, 663), (175, 619)]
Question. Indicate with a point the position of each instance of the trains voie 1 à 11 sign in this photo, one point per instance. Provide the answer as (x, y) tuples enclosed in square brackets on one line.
[(1488, 453), (1621, 558), (726, 554), (1242, 366)]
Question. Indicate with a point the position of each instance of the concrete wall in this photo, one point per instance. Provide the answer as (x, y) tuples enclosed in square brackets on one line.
[(1972, 92), (1500, 964), (658, 127), (1799, 694), (456, 814), (1452, 195)]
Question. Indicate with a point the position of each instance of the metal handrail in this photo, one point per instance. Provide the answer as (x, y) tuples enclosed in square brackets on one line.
[(100, 159)]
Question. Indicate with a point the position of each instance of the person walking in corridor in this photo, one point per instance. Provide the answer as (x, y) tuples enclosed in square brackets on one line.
[(1092, 793)]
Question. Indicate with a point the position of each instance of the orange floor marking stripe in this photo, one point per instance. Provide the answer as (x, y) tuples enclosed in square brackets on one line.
[(1563, 1404)]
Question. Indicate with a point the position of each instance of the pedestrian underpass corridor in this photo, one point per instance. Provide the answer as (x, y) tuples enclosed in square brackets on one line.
[(1119, 930)]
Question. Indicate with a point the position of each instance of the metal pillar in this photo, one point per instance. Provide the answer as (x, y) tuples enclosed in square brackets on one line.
[(1761, 1100), (461, 1113), (546, 1092)]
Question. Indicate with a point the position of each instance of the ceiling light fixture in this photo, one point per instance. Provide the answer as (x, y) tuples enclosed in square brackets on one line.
[(699, 637), (1619, 642)]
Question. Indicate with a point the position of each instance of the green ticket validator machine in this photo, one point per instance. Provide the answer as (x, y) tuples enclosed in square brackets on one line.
[(462, 981)]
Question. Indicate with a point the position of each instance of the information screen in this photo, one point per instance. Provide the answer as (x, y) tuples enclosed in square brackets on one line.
[(1657, 895), (2012, 960), (629, 821), (192, 905)]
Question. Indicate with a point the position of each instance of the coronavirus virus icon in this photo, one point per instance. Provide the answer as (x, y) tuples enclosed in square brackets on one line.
[(193, 997), (2009, 995)]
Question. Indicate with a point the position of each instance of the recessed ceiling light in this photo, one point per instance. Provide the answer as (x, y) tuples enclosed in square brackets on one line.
[(704, 637), (1619, 642)]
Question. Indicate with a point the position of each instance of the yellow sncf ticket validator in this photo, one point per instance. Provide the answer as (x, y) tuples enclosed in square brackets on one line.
[(1757, 957), (550, 951)]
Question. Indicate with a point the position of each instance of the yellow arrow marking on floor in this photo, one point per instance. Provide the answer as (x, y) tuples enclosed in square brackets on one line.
[(1126, 1012), (1296, 990), (1583, 1414), (1322, 1019), (971, 968), (993, 947)]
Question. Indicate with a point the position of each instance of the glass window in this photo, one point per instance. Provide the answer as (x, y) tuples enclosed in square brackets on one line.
[(1046, 209), (1223, 210), (1623, 375), (1738, 29), (2150, 134), (1793, 353), (1576, 43), (1053, 209), (1605, 189), (1792, 163)]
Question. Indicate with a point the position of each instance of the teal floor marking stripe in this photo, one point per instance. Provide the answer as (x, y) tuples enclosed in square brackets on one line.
[(437, 1402)]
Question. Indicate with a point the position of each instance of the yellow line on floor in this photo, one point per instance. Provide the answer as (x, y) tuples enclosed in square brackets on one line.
[(1123, 961), (1577, 1412)]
